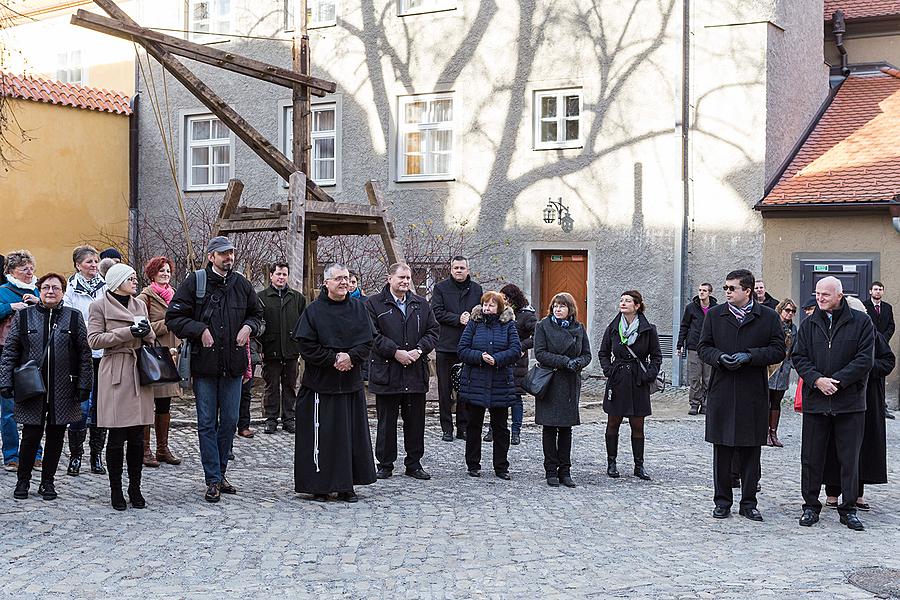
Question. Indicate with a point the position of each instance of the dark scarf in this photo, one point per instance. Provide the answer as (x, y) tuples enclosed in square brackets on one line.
[(338, 325), (565, 323)]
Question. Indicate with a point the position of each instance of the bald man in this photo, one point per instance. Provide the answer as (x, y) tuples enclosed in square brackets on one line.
[(833, 353)]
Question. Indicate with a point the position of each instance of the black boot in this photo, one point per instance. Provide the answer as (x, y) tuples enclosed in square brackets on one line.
[(637, 449), (21, 491), (114, 459), (134, 488), (47, 490), (612, 451), (76, 451), (97, 441)]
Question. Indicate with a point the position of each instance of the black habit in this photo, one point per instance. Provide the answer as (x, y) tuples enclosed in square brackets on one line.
[(333, 449)]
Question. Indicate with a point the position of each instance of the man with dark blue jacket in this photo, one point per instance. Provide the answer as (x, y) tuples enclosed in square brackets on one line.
[(833, 353)]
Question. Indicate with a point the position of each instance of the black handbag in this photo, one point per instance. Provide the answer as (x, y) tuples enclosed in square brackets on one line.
[(537, 380), (155, 365), (27, 380), (455, 375)]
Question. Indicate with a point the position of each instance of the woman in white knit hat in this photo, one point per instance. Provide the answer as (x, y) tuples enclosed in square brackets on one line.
[(118, 324)]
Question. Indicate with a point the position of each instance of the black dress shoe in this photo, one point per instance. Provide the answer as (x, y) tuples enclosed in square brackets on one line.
[(489, 436), (227, 488), (694, 410), (503, 475), (515, 439), (212, 493), (447, 437), (419, 473), (271, 427), (21, 491), (47, 490), (809, 518), (751, 513), (474, 473), (460, 435), (289, 427), (383, 473), (566, 480), (320, 497), (888, 415), (852, 522), (350, 497), (74, 466), (721, 512), (97, 467), (553, 481)]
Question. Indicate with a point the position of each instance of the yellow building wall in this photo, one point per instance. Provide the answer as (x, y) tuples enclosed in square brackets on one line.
[(839, 233), (71, 185)]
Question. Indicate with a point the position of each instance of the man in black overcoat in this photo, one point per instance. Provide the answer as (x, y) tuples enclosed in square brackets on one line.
[(739, 339), (833, 353), (882, 315), (405, 332)]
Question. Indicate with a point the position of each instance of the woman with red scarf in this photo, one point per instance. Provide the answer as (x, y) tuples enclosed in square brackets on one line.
[(157, 296)]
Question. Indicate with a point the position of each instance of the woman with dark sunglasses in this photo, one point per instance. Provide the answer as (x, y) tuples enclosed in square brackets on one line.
[(780, 374)]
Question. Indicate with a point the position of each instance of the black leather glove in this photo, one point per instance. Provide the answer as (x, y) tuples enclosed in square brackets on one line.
[(141, 330), (7, 392), (742, 358), (573, 365), (84, 395), (728, 361)]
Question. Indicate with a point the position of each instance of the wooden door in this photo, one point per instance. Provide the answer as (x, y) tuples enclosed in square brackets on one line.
[(564, 271)]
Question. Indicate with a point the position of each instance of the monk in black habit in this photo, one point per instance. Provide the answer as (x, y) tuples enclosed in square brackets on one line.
[(333, 449)]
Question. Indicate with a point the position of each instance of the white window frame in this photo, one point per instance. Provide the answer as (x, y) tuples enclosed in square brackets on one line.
[(560, 95), (312, 8), (69, 61), (287, 135), (426, 7), (189, 185), (403, 129), (221, 26)]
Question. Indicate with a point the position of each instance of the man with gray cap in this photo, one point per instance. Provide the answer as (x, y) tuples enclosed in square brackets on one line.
[(217, 311)]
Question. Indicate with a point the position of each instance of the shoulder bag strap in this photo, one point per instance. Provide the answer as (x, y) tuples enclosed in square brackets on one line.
[(639, 361)]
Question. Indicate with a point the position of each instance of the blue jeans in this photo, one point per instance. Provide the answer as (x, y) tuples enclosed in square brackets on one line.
[(218, 401), (518, 413), (9, 431)]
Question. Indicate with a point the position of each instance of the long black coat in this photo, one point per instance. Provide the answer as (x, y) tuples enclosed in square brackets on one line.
[(480, 383), (68, 371), (525, 324), (691, 323), (554, 346), (884, 322), (448, 301), (845, 352), (737, 405), (281, 311), (396, 331), (627, 386)]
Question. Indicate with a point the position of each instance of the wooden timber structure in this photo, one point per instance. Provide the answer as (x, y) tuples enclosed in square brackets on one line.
[(310, 212)]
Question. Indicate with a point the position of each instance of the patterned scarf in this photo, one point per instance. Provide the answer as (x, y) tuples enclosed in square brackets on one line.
[(87, 287), (740, 313), (165, 292), (565, 323), (628, 334)]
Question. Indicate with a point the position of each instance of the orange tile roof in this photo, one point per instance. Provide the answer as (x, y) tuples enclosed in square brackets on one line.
[(862, 9), (63, 94), (852, 155)]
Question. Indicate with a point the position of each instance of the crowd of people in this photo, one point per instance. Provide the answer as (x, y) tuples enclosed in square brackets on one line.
[(71, 347)]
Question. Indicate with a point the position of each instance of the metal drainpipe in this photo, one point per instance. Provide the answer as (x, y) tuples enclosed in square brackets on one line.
[(839, 28), (681, 230), (895, 213), (133, 210)]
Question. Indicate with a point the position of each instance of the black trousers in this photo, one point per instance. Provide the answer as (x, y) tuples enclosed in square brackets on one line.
[(411, 408), (501, 437), (847, 430), (557, 451), (133, 455), (31, 439), (743, 459), (279, 398), (835, 490), (244, 408), (444, 361)]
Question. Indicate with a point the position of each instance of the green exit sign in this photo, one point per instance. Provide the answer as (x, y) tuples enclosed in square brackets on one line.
[(556, 257), (819, 268)]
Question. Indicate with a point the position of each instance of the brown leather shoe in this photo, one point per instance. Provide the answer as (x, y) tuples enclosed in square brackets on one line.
[(149, 458), (247, 433), (163, 454)]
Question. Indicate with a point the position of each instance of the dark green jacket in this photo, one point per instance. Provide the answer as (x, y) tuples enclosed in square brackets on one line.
[(281, 313)]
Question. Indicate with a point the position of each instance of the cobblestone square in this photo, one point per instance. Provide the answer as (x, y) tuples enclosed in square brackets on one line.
[(453, 536)]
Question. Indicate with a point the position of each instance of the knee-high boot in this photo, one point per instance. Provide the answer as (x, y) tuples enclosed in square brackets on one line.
[(97, 441), (114, 459), (134, 484), (76, 450), (612, 451), (774, 417), (163, 453), (637, 449), (149, 457)]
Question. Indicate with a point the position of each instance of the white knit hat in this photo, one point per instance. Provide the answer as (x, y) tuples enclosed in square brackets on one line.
[(117, 275)]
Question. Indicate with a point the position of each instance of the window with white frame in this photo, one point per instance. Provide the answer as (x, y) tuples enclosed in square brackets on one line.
[(557, 119), (319, 13), (208, 16), (425, 138), (68, 67), (210, 148), (410, 7), (324, 157)]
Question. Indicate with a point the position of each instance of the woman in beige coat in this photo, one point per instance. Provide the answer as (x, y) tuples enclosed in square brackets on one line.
[(157, 296), (123, 405)]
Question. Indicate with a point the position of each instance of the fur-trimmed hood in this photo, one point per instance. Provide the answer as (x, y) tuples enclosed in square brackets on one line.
[(505, 317)]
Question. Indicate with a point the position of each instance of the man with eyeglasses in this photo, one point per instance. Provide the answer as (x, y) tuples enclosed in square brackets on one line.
[(688, 338), (739, 339), (333, 447)]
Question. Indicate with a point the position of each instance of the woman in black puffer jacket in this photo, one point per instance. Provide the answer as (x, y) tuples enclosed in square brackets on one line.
[(488, 349)]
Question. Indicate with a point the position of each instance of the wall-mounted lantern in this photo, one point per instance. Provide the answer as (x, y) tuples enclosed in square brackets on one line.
[(557, 211)]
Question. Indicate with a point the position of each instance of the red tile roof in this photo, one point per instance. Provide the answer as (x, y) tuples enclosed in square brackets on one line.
[(63, 94), (852, 154), (862, 9)]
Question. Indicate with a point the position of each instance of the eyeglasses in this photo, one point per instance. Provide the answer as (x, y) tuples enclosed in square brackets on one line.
[(51, 288), (730, 288), (133, 279), (26, 268), (341, 278), (790, 310)]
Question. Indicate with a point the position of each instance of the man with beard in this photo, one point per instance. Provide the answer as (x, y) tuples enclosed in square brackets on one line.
[(833, 353), (739, 339), (333, 449)]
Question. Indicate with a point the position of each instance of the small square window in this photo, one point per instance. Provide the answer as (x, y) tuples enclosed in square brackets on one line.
[(69, 67), (319, 13), (209, 153), (557, 119), (425, 138)]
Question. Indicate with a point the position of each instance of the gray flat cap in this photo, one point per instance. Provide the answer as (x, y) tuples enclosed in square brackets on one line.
[(220, 243)]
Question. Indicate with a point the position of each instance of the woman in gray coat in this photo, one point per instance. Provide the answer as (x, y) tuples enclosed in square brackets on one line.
[(560, 343)]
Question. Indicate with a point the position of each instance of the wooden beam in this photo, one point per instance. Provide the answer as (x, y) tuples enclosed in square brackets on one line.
[(201, 53), (314, 209), (232, 199), (296, 230), (241, 128), (388, 238)]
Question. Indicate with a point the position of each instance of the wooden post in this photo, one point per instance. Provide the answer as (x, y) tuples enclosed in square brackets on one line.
[(296, 232), (391, 247), (301, 102), (232, 199)]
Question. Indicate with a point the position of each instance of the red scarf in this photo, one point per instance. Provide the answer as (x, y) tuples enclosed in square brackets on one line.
[(165, 293)]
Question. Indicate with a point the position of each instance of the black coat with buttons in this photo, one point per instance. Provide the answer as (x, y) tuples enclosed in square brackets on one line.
[(394, 331)]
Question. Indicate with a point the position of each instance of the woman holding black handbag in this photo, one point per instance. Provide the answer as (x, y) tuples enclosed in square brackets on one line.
[(560, 343), (119, 324), (53, 338), (630, 357)]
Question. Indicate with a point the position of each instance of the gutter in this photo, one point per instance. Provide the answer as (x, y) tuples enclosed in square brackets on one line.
[(890, 205), (133, 164), (895, 213)]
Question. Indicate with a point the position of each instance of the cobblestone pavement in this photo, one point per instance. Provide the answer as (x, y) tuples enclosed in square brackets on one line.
[(453, 536)]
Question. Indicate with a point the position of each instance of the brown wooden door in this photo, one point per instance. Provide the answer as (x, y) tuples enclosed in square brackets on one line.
[(564, 271)]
